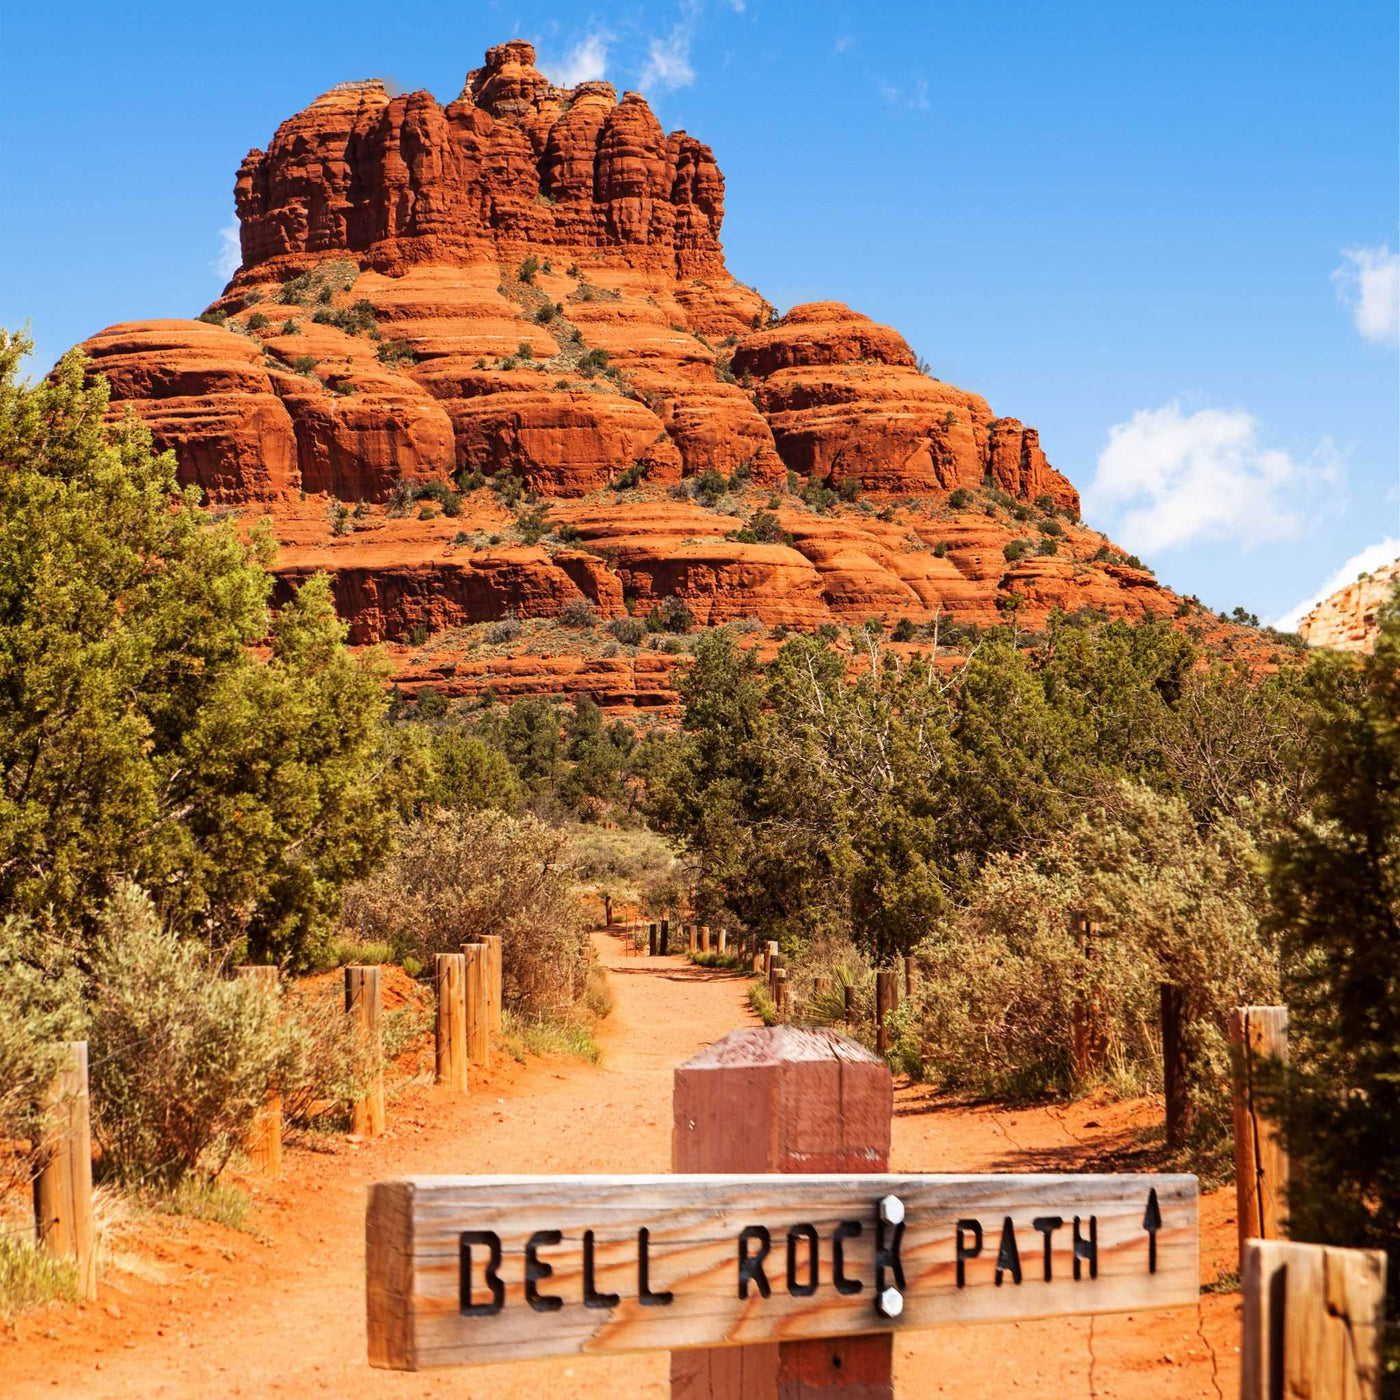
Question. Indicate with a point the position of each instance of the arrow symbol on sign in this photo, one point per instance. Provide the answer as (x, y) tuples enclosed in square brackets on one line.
[(1152, 1222)]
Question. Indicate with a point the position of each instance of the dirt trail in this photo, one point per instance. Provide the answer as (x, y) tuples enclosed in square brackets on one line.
[(192, 1309)]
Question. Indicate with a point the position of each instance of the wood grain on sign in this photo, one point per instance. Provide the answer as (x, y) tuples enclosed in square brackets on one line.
[(657, 1262)]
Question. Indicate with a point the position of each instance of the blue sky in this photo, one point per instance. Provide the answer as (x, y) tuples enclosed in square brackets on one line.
[(1166, 235)]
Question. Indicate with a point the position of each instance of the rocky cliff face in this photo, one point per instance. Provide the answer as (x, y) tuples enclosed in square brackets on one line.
[(526, 286), (1348, 620)]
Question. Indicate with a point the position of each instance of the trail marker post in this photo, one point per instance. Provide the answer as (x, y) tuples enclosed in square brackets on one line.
[(651, 940), (263, 1143), (494, 983), (1313, 1321), (785, 1276), (362, 1006), (1258, 1034), (450, 979), (665, 937), (63, 1218), (478, 989), (886, 1000), (1176, 1066)]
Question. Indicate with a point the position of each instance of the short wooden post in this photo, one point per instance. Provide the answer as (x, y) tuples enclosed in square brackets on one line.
[(1313, 1321), (362, 1006), (63, 1188), (665, 937), (1259, 1034), (263, 1143), (494, 984), (911, 977), (450, 979), (886, 1000), (1176, 1066), (607, 910), (478, 999), (651, 940), (770, 952), (780, 992), (1087, 1048), (783, 1100), (821, 985), (849, 998), (704, 938), (722, 942), (692, 938)]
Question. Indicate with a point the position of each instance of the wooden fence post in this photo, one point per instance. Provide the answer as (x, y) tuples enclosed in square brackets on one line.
[(1313, 1321), (494, 984), (886, 1000), (769, 953), (263, 1144), (911, 977), (780, 992), (478, 988), (607, 910), (651, 940), (722, 942), (692, 938), (362, 1006), (820, 985), (450, 978), (63, 1188), (783, 1100), (848, 996), (1176, 1066), (665, 937), (1258, 1034)]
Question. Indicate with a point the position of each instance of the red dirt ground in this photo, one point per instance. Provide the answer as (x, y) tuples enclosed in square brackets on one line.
[(189, 1308)]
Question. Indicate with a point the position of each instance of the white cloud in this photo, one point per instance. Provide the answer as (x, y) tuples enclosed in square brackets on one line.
[(586, 62), (1368, 281), (668, 60), (230, 257), (842, 44), (1373, 557), (1170, 478)]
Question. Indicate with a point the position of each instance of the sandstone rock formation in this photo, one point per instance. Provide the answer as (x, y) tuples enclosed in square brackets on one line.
[(1348, 620), (526, 286)]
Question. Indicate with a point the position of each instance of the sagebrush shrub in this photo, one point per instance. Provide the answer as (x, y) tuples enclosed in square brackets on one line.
[(180, 1055)]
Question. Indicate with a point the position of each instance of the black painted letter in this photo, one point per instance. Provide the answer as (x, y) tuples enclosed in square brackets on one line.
[(1008, 1256), (846, 1230), (974, 1227), (1087, 1249), (1047, 1225), (536, 1270), (751, 1270), (492, 1241), (887, 1254), (591, 1297), (802, 1290), (645, 1296)]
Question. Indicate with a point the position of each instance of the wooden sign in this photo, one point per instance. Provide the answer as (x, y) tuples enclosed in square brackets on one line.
[(463, 1270)]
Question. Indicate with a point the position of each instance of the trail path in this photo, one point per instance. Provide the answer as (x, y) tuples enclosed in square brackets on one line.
[(192, 1309)]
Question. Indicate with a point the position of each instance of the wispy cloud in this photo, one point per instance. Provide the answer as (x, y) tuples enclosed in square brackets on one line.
[(230, 257), (668, 59), (843, 42), (1368, 281), (1168, 478), (914, 96), (1386, 551), (586, 62)]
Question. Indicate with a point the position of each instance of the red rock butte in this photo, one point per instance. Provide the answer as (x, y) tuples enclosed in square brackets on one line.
[(528, 282)]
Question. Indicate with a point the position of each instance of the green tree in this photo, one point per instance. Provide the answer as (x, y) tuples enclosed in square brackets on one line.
[(140, 738), (1334, 880)]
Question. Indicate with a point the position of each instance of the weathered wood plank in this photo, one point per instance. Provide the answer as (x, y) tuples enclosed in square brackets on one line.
[(1313, 1320), (418, 1229)]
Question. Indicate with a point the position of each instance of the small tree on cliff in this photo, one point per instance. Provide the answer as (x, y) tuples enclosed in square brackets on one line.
[(139, 737)]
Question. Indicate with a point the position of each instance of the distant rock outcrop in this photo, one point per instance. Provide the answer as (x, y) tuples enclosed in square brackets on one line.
[(528, 283), (1348, 620)]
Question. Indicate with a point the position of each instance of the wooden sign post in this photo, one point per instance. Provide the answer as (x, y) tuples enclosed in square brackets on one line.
[(63, 1219), (362, 1006), (450, 979), (1313, 1321), (771, 1268), (1258, 1034)]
